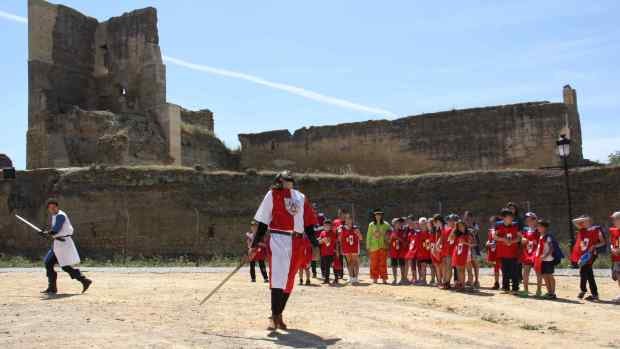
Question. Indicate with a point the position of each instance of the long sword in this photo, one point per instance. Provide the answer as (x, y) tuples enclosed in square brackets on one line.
[(243, 262), (25, 221)]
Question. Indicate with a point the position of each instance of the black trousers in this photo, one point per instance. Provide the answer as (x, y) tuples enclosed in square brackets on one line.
[(261, 266), (313, 266), (586, 275), (326, 264), (51, 260), (279, 298), (510, 274)]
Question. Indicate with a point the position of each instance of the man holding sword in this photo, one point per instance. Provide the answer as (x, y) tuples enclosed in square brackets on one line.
[(63, 251), (287, 214)]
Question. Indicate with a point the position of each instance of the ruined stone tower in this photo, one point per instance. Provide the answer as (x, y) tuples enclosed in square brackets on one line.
[(97, 94)]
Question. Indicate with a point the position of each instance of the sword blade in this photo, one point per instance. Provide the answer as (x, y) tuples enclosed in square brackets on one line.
[(243, 261), (25, 221)]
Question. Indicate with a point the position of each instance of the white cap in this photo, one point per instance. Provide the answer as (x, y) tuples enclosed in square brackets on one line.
[(422, 220), (616, 215)]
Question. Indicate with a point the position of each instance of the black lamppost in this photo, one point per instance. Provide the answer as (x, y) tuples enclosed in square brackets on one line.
[(564, 151)]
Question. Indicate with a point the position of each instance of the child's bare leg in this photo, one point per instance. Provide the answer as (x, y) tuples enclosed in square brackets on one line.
[(447, 270), (476, 266), (422, 273), (538, 282), (526, 277), (470, 273), (404, 271)]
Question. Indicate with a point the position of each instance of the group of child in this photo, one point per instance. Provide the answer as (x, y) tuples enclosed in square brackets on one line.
[(450, 247)]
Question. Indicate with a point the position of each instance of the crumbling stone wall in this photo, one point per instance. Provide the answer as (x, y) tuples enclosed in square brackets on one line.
[(500, 137), (115, 68), (168, 211)]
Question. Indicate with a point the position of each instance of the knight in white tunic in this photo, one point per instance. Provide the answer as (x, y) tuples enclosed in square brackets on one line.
[(288, 215), (63, 251)]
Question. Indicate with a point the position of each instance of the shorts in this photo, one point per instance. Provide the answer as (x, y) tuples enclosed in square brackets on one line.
[(547, 268), (615, 274), (396, 262), (424, 261)]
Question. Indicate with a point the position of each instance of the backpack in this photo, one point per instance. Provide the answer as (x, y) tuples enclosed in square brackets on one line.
[(557, 254), (603, 249)]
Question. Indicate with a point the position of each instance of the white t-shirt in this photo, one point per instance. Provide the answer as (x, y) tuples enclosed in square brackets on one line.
[(546, 250)]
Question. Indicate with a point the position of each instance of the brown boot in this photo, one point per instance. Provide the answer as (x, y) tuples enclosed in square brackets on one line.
[(272, 324), (280, 322)]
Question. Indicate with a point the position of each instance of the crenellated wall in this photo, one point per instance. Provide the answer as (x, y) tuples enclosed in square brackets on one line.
[(500, 137), (167, 211)]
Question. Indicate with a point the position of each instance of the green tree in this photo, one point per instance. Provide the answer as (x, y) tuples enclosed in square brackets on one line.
[(614, 158)]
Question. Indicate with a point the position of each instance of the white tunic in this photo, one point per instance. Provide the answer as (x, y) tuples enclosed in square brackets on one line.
[(65, 251)]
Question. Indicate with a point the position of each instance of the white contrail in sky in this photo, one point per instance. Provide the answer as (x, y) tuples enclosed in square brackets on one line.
[(12, 17), (300, 91), (296, 90)]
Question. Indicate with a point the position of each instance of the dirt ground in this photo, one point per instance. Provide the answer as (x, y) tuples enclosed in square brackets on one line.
[(160, 310)]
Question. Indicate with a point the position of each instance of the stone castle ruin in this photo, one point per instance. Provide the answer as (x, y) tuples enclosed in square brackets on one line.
[(97, 95)]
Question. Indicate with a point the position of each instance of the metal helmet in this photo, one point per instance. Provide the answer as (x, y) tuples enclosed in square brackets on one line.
[(285, 175)]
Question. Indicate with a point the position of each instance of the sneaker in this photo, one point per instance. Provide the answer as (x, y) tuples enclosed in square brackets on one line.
[(495, 286), (266, 280), (616, 300), (550, 296), (592, 298), (581, 295), (301, 282), (253, 280), (523, 294), (538, 293), (326, 281), (308, 282), (385, 281), (393, 282), (477, 285)]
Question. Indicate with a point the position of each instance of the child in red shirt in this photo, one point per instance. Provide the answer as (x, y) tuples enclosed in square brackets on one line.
[(350, 238), (461, 253), (531, 235), (397, 246), (437, 247), (411, 234), (260, 255), (492, 251), (423, 251), (327, 242), (589, 238), (305, 261), (508, 236), (544, 263), (614, 237)]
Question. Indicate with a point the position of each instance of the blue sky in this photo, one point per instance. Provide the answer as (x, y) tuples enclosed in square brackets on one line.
[(393, 58)]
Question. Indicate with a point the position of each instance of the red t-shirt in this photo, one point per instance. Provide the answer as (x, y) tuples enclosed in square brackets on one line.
[(614, 237), (328, 242), (530, 247), (397, 245), (508, 232), (349, 240), (412, 244), (447, 245), (423, 242), (307, 252), (460, 253), (586, 238)]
